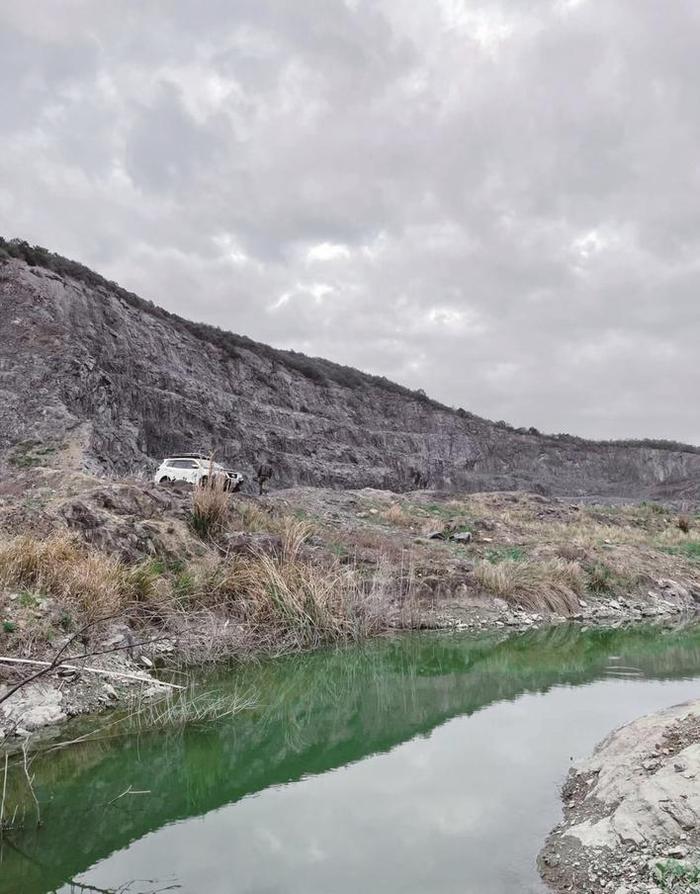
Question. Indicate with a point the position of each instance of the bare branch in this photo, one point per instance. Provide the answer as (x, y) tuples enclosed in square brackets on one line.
[(4, 791), (47, 666), (29, 783)]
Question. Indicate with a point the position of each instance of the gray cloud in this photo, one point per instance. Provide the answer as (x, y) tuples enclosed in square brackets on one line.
[(497, 202)]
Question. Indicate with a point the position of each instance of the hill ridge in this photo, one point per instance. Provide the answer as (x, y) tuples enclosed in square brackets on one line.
[(317, 421), (38, 256)]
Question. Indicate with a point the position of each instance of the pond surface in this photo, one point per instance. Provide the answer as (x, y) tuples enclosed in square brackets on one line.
[(424, 763)]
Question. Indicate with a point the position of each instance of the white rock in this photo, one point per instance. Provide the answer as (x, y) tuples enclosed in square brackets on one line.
[(644, 808), (34, 706), (594, 834)]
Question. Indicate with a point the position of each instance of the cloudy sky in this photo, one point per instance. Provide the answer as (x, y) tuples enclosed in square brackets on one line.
[(498, 202)]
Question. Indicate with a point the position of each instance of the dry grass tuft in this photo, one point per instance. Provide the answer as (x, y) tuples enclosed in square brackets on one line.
[(551, 585), (94, 584), (295, 532), (211, 508), (59, 566), (290, 602), (571, 553), (397, 515), (295, 599)]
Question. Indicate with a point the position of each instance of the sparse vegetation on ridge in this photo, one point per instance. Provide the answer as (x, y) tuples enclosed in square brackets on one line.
[(316, 369), (319, 370), (361, 569), (676, 876)]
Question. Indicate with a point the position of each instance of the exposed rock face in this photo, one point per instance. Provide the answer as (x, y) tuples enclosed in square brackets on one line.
[(651, 791), (111, 383), (635, 802)]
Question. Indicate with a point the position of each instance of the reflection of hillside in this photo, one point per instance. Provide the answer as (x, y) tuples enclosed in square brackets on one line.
[(315, 712)]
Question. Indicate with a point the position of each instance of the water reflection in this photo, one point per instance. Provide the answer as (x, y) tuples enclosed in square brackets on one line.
[(426, 762)]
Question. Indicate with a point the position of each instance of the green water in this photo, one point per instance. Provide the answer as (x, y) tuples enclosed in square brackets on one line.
[(426, 763)]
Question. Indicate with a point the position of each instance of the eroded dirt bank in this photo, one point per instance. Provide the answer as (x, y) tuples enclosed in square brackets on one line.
[(632, 811), (130, 577)]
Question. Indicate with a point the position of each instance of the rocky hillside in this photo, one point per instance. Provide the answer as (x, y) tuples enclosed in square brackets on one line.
[(93, 377)]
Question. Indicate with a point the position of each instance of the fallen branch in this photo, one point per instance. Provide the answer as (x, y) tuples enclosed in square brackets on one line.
[(48, 665), (129, 791)]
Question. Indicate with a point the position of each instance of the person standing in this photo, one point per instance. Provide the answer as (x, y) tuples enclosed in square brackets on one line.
[(264, 474)]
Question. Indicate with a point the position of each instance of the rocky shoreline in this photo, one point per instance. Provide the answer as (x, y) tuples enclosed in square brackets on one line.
[(669, 600), (131, 677), (632, 812)]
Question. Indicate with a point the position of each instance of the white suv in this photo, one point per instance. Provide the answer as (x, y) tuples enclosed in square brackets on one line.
[(195, 469)]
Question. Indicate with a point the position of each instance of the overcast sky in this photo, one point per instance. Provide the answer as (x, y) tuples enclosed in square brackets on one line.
[(496, 202)]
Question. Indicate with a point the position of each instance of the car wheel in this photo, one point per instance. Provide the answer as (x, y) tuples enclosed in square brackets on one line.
[(203, 481), (164, 480)]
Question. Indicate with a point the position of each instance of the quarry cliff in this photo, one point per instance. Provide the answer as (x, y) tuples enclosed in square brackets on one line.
[(109, 382)]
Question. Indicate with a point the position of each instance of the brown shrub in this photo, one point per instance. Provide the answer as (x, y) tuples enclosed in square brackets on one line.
[(684, 523)]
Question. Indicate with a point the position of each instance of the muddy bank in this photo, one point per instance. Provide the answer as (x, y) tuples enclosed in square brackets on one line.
[(632, 811)]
